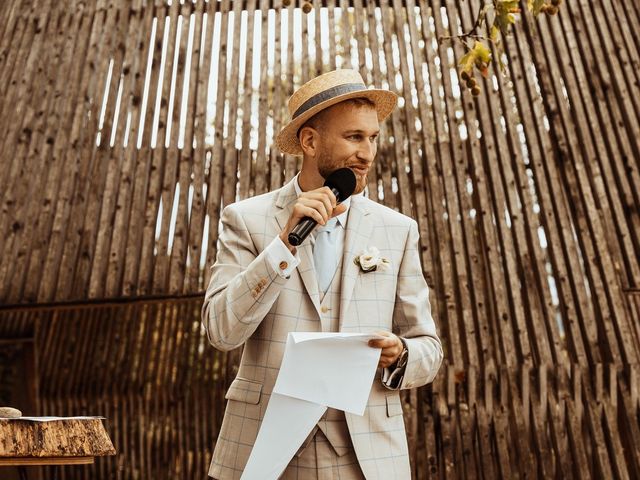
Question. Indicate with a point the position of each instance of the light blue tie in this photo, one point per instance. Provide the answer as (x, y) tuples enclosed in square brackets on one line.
[(325, 256)]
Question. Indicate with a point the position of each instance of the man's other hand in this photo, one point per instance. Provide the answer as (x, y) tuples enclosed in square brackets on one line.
[(391, 347)]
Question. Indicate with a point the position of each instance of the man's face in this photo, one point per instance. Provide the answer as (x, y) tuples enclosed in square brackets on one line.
[(348, 135)]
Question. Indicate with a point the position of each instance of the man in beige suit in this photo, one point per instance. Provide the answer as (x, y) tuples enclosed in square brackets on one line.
[(262, 287)]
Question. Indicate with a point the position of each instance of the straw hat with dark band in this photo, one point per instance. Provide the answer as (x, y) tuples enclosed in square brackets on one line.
[(323, 92)]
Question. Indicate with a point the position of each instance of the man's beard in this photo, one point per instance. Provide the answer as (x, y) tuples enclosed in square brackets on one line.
[(326, 166)]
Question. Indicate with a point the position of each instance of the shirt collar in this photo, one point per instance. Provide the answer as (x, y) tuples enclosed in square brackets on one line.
[(342, 218)]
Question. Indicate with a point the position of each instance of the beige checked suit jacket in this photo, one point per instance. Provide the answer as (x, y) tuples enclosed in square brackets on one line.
[(248, 302)]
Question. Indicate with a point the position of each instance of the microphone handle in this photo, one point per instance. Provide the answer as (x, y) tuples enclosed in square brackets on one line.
[(301, 231), (305, 226)]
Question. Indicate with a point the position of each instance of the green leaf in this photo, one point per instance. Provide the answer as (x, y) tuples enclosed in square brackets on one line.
[(481, 52), (507, 6), (504, 12), (467, 61), (534, 6), (495, 31)]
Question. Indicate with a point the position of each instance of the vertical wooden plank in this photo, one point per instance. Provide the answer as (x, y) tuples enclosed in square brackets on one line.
[(318, 47), (604, 168), (83, 140), (593, 415), (363, 16), (519, 428), (467, 433), (104, 229), (196, 225), (444, 421), (304, 61), (134, 278), (179, 250), (55, 274), (573, 173), (383, 158), (421, 210), (398, 164), (25, 133), (506, 461), (553, 204), (630, 430), (149, 251), (486, 452), (171, 197), (525, 103), (331, 12), (603, 233), (56, 189), (245, 161), (619, 463), (503, 193), (278, 107), (261, 170), (436, 167), (456, 157), (214, 186), (131, 104), (18, 57), (98, 174), (291, 162), (230, 174), (432, 210), (10, 32), (617, 62), (537, 302)]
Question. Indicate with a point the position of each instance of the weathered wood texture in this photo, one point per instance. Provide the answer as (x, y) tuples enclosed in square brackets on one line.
[(148, 368), (59, 438), (128, 125)]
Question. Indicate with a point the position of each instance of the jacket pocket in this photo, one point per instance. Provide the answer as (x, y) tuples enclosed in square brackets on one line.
[(243, 390), (394, 406)]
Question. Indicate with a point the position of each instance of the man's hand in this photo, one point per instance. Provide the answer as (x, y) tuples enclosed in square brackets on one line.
[(319, 204), (391, 348)]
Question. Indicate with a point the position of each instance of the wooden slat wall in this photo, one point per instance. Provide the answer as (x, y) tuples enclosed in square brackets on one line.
[(527, 199), (86, 216), (147, 367), (149, 370)]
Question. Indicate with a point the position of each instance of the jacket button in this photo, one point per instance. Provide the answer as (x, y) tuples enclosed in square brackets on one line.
[(283, 265), (324, 309)]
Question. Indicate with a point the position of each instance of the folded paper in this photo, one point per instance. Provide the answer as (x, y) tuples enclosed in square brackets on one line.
[(318, 370)]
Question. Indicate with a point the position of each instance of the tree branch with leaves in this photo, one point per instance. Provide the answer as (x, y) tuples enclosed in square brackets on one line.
[(493, 18)]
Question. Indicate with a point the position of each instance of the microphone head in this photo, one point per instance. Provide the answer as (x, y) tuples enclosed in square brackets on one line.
[(343, 180)]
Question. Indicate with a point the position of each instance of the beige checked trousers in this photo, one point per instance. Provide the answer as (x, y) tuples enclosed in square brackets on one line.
[(319, 461)]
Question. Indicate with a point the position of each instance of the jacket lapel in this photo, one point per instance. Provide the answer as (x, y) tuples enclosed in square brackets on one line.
[(357, 238), (306, 269)]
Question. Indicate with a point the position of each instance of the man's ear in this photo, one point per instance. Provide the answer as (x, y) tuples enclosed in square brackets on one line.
[(308, 140)]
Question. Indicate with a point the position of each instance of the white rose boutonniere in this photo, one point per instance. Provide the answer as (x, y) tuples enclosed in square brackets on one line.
[(370, 261)]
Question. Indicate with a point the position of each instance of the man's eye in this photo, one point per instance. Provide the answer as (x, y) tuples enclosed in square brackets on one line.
[(354, 137)]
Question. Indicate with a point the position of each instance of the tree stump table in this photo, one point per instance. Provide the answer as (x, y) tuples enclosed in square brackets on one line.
[(30, 441)]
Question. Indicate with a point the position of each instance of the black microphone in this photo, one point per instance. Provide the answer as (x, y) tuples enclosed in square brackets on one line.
[(342, 183)]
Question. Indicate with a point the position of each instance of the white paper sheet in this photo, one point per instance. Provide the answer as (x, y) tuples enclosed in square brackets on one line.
[(318, 370), (286, 424), (332, 369)]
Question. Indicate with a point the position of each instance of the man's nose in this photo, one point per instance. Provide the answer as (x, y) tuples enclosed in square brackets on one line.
[(367, 151)]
